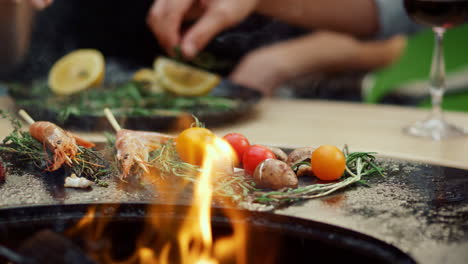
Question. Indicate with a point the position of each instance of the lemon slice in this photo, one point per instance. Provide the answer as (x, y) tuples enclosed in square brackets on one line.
[(182, 79), (77, 71), (144, 75), (148, 76)]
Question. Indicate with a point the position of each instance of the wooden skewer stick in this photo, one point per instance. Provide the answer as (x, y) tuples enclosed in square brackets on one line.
[(111, 118), (26, 117)]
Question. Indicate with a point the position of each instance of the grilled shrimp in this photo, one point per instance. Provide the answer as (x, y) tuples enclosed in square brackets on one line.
[(133, 148), (63, 144)]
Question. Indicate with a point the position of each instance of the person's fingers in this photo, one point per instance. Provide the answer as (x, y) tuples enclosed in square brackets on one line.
[(210, 24), (382, 53), (195, 11), (219, 15), (165, 18), (267, 68)]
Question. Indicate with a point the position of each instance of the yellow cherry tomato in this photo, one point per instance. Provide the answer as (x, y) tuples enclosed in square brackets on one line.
[(328, 163), (191, 143)]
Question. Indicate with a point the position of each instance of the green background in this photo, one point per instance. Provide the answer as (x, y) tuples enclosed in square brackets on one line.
[(415, 65)]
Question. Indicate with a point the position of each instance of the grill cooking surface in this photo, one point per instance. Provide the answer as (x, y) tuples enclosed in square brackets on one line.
[(419, 208)]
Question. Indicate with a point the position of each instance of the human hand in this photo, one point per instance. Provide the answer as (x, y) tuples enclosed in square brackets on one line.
[(323, 52), (166, 16), (264, 69)]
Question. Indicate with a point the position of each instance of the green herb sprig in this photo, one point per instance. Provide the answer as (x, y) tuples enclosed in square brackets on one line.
[(128, 99), (168, 162)]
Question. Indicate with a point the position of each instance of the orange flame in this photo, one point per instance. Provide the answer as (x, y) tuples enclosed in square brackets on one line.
[(192, 240), (199, 231)]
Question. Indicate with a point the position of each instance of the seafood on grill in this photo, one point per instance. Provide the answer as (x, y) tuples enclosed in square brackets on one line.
[(133, 148), (62, 144)]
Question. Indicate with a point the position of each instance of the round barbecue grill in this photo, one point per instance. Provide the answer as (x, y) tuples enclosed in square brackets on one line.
[(36, 235)]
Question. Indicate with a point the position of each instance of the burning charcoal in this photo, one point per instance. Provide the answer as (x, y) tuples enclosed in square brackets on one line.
[(49, 247)]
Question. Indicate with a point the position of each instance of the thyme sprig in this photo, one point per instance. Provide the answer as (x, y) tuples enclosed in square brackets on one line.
[(168, 162)]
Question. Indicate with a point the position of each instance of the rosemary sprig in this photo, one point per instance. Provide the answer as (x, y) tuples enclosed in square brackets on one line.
[(91, 165), (166, 160), (128, 99)]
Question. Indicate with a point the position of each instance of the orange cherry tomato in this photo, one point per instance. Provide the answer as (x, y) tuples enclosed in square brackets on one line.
[(191, 143), (328, 163)]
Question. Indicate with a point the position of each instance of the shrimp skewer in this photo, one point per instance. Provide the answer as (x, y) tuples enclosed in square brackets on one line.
[(63, 144), (133, 147)]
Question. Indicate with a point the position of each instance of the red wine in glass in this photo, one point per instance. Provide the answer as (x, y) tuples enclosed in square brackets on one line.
[(440, 15)]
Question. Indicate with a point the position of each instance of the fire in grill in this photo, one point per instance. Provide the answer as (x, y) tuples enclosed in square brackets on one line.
[(42, 235)]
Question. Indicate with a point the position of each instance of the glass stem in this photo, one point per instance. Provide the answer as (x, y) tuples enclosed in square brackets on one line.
[(437, 82)]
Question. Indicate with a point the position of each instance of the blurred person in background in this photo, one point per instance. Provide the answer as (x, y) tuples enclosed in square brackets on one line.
[(358, 36), (335, 50)]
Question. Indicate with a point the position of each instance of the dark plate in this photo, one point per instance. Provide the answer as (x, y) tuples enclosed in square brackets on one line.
[(246, 99)]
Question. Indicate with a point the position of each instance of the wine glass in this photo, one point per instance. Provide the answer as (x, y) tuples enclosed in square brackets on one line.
[(440, 15)]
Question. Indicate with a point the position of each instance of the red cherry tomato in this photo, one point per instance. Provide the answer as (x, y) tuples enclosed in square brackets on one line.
[(239, 143), (254, 156)]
